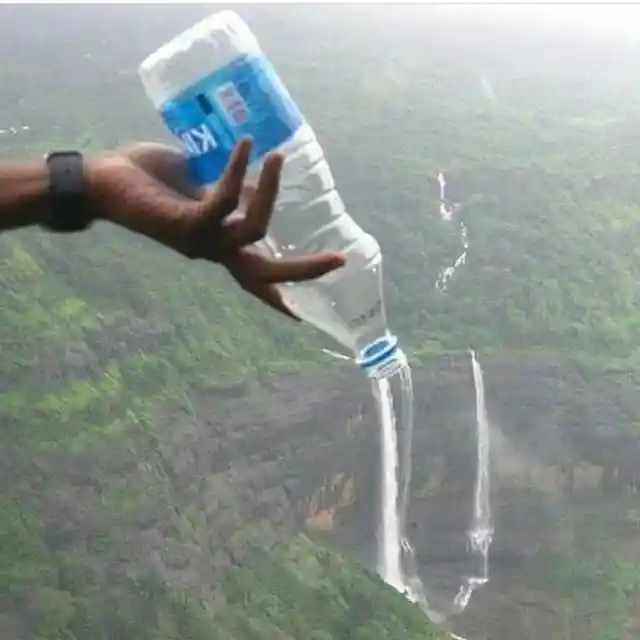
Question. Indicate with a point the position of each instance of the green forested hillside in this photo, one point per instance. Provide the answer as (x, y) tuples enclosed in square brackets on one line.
[(102, 333)]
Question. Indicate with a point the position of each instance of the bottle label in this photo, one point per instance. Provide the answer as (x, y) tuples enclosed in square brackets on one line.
[(244, 98)]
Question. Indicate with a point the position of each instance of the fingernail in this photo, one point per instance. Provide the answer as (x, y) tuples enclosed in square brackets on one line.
[(276, 156), (292, 315)]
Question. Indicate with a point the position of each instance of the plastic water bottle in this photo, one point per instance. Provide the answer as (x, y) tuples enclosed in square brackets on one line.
[(212, 86)]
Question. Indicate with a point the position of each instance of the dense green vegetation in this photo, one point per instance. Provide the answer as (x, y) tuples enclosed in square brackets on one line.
[(103, 333), (296, 590), (310, 593)]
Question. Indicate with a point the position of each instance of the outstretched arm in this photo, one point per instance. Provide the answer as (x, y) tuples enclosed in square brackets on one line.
[(24, 194), (146, 190)]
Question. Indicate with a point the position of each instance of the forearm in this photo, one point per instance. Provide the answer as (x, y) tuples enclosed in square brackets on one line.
[(24, 194)]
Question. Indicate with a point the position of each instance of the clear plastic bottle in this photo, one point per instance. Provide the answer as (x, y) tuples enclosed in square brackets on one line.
[(213, 85)]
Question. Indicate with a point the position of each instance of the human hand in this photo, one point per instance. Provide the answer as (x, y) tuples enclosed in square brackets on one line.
[(147, 189)]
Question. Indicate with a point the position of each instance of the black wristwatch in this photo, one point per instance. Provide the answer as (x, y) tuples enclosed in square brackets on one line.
[(69, 201)]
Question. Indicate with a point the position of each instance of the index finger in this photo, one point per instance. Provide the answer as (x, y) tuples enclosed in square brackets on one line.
[(227, 193)]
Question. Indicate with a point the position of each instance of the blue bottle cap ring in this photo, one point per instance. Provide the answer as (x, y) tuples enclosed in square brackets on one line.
[(378, 352)]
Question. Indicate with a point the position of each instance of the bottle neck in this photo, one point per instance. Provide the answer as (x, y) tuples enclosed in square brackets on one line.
[(382, 358)]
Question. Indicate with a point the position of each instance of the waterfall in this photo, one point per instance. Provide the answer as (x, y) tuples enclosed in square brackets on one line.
[(480, 532), (448, 210)]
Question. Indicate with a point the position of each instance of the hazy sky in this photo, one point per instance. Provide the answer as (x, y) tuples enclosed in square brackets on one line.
[(620, 16)]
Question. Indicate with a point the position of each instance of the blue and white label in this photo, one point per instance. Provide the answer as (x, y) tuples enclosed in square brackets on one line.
[(244, 99)]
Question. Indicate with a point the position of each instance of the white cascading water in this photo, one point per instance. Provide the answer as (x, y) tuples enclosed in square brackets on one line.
[(396, 563), (390, 535), (393, 546), (448, 210), (480, 533), (394, 495)]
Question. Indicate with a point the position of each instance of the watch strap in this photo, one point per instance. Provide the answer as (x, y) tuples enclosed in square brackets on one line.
[(68, 206)]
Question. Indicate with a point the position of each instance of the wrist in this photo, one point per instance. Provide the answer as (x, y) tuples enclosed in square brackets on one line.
[(95, 169), (27, 199)]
